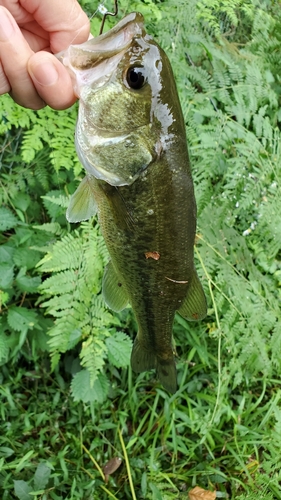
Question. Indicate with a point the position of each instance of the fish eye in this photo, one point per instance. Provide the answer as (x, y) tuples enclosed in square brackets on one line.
[(135, 77)]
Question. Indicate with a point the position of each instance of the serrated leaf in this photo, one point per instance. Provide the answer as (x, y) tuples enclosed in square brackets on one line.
[(22, 490), (6, 275), (27, 283), (4, 297), (82, 390), (119, 348), (20, 318), (7, 219), (22, 201), (26, 257), (6, 254), (41, 476)]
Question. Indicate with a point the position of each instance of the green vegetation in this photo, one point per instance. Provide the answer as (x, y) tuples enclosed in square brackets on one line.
[(69, 401)]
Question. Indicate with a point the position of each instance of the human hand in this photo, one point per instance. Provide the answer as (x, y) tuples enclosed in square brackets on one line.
[(31, 31)]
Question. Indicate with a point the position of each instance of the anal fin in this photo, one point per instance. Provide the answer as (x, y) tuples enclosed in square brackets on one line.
[(113, 290), (82, 205), (142, 359), (194, 306)]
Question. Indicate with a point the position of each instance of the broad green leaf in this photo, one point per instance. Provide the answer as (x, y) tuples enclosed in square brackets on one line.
[(27, 283), (7, 219), (119, 348), (6, 452), (22, 490), (26, 257), (100, 387), (6, 275), (22, 201), (82, 390), (6, 253), (41, 476), (20, 318), (4, 297)]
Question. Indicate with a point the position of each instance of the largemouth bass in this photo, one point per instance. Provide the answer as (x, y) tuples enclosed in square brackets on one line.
[(130, 138)]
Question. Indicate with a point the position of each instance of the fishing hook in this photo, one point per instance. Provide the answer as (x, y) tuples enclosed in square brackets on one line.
[(109, 14)]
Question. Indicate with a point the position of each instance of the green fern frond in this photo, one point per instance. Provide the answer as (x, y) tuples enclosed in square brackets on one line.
[(72, 297), (64, 335), (51, 227), (61, 201), (65, 254), (93, 353), (65, 284), (41, 173)]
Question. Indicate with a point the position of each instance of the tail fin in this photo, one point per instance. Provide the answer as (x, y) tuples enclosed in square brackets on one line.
[(143, 360), (167, 373)]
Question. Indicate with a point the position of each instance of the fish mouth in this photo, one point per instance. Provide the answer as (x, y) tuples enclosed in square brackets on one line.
[(103, 47), (92, 62)]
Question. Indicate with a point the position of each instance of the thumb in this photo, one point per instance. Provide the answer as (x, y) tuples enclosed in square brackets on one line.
[(51, 80)]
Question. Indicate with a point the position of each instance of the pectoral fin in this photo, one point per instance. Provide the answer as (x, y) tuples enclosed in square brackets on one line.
[(113, 290), (82, 204), (194, 306)]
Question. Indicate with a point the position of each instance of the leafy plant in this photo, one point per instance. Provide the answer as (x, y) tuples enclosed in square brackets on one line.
[(73, 297), (25, 491), (221, 430)]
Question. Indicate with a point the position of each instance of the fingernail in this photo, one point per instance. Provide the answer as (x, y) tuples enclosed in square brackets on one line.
[(45, 73), (6, 26)]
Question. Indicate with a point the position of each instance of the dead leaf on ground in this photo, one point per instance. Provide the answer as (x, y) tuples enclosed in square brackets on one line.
[(111, 466), (199, 494)]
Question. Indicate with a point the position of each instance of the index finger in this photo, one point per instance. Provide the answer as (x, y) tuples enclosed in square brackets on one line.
[(65, 21)]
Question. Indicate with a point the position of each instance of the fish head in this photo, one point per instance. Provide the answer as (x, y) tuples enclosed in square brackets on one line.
[(125, 85)]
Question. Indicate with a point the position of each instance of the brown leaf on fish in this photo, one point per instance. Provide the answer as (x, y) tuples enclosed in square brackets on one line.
[(152, 255)]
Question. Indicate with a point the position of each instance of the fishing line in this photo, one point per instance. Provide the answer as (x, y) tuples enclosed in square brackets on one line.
[(107, 13)]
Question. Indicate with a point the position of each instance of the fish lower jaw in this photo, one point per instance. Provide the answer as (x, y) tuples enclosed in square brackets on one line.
[(106, 140)]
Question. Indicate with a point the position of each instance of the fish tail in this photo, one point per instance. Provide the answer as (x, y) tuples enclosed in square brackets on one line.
[(143, 359), (167, 373)]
